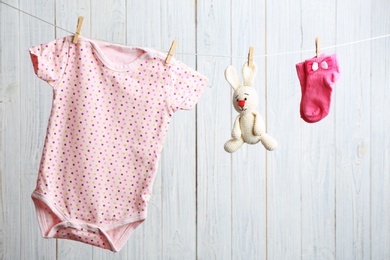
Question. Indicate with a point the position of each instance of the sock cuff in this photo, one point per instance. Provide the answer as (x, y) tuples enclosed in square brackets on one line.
[(324, 62), (301, 73)]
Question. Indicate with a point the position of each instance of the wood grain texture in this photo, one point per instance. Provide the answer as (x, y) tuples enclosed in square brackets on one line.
[(178, 161), (284, 165), (36, 100), (249, 162), (353, 133), (144, 23), (214, 176), (10, 134), (11, 2), (67, 13), (318, 144), (380, 139), (108, 21), (44, 9)]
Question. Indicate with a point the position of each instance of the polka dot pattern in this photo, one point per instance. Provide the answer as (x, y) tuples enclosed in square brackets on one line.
[(110, 114)]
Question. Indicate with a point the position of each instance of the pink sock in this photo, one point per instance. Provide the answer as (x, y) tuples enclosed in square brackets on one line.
[(316, 76)]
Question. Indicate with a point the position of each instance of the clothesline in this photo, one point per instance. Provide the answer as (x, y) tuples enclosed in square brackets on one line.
[(225, 56)]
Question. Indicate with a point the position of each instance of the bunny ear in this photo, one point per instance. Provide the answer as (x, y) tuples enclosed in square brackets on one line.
[(232, 77), (249, 73)]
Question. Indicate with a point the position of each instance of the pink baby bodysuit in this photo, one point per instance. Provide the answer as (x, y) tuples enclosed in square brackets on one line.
[(110, 114)]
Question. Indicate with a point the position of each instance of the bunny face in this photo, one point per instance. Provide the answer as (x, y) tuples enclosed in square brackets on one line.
[(245, 96), (245, 99)]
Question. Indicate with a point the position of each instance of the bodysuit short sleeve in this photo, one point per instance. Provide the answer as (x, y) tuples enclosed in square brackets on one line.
[(50, 59), (187, 86)]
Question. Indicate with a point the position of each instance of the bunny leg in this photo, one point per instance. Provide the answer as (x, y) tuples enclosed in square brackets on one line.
[(232, 145), (268, 142)]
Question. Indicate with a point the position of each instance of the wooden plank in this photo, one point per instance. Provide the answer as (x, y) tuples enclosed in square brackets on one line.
[(108, 23), (380, 141), (178, 161), (10, 134), (318, 144), (249, 162), (67, 13), (284, 165), (14, 3), (44, 9), (353, 132), (36, 97), (214, 173), (143, 23), (143, 29)]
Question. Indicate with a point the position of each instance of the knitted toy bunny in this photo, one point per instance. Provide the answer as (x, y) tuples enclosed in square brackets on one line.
[(248, 126)]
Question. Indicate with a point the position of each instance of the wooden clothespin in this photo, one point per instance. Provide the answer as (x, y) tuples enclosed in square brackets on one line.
[(250, 56), (318, 49), (79, 24), (171, 52)]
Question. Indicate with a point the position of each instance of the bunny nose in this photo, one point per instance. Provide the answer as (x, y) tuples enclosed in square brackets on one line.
[(241, 103)]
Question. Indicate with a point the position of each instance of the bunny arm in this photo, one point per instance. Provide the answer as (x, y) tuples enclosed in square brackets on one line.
[(258, 126), (236, 131)]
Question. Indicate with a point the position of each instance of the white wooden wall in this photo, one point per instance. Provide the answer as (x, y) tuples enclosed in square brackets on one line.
[(323, 194)]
